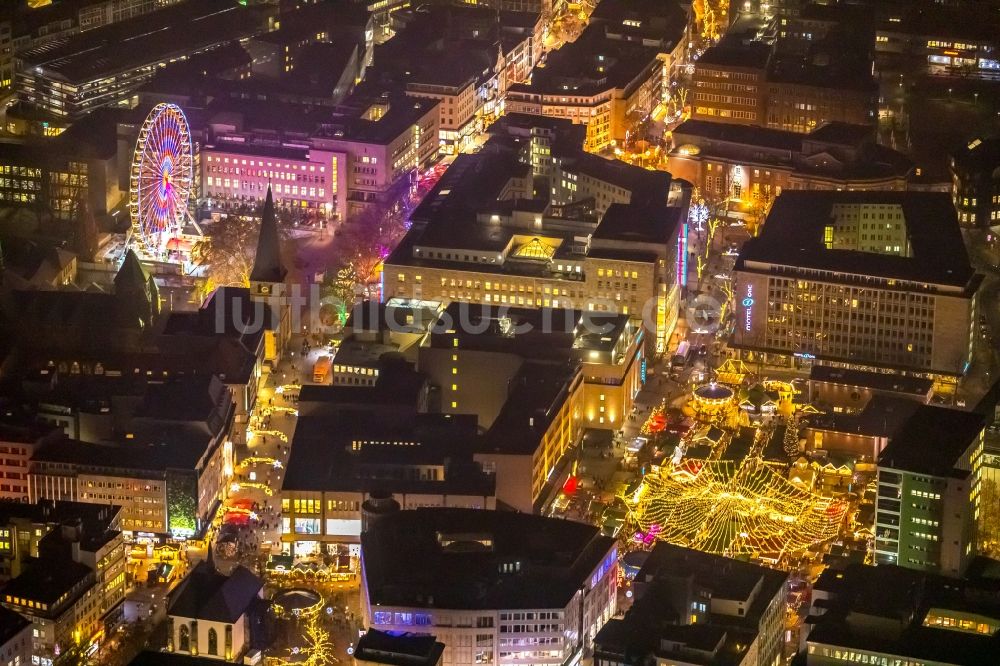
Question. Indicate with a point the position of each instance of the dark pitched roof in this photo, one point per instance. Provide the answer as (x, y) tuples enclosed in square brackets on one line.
[(131, 275), (171, 428), (207, 594), (267, 266), (94, 518)]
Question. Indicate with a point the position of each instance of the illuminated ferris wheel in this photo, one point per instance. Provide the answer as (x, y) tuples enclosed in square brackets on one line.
[(161, 179)]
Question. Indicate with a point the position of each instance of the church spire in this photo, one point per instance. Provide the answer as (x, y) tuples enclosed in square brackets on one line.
[(132, 288), (267, 266)]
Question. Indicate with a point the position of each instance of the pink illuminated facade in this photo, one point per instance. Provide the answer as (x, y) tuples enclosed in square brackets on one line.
[(333, 172)]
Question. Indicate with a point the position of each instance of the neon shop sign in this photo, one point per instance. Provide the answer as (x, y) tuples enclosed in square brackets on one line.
[(748, 307)]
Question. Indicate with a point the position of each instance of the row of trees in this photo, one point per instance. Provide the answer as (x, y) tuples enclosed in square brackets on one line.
[(361, 246)]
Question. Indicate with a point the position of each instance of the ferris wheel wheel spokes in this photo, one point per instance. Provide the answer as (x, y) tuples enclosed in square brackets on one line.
[(161, 179)]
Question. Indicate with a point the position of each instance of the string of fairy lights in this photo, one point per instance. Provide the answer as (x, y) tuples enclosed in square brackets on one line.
[(720, 507)]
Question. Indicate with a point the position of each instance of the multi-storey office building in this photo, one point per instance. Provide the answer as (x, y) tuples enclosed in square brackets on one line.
[(382, 11), (865, 279), (15, 637), (800, 98), (754, 164), (168, 470), (383, 446), (373, 330), (750, 84), (542, 7), (697, 609), (18, 440), (528, 442), (929, 493), (604, 237), (494, 587), (605, 84), (465, 57), (70, 575), (23, 527), (668, 26), (280, 52), (331, 166), (475, 350), (891, 615), (74, 75), (27, 26), (458, 104), (975, 183), (932, 38), (68, 174), (729, 84)]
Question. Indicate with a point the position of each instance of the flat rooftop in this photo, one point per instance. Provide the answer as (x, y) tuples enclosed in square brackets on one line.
[(538, 333), (883, 416), (47, 582), (537, 392), (94, 517), (748, 135), (932, 441), (877, 381), (793, 236), (725, 577), (902, 597), (856, 155), (666, 22), (635, 223), (363, 449), (174, 31), (398, 314), (730, 52), (465, 212), (398, 649), (461, 551), (11, 624), (590, 64)]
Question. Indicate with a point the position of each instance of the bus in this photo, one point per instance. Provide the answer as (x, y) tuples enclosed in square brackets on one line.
[(680, 357), (321, 370)]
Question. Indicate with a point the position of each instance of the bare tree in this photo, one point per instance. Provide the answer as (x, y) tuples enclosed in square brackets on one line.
[(228, 248)]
